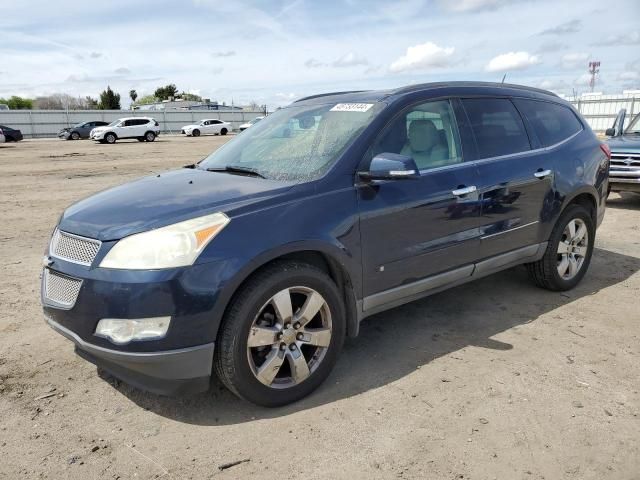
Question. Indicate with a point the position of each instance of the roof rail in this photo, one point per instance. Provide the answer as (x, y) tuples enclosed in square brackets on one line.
[(424, 86), (328, 94)]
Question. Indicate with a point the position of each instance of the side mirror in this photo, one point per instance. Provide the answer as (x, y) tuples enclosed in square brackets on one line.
[(610, 132), (391, 166)]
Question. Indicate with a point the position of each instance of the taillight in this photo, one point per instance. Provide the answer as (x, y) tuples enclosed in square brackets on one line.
[(607, 151)]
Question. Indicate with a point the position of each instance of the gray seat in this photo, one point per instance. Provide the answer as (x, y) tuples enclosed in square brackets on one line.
[(425, 145)]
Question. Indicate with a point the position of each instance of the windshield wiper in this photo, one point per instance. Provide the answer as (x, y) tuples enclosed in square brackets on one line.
[(251, 172)]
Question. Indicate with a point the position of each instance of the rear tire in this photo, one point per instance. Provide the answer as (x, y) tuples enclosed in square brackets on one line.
[(149, 136), (223, 131), (75, 136), (196, 133), (291, 339), (110, 138), (546, 271)]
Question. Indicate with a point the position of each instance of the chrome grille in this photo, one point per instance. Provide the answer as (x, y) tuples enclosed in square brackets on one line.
[(625, 165), (61, 289), (74, 248)]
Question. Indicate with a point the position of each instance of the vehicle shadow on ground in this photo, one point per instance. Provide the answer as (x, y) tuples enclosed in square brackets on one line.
[(624, 200), (393, 344)]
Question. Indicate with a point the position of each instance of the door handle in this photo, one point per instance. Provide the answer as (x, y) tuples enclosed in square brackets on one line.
[(542, 173), (459, 192)]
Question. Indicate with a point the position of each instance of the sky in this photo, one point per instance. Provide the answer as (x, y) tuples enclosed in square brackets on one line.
[(273, 52)]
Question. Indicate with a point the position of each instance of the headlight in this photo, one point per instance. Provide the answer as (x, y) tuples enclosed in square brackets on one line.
[(176, 245), (124, 330)]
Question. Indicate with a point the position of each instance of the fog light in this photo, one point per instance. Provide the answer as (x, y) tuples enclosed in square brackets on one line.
[(123, 330)]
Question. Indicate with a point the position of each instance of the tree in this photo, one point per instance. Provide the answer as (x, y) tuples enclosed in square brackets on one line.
[(109, 100), (18, 103), (133, 95), (163, 93), (90, 103), (146, 100), (190, 97)]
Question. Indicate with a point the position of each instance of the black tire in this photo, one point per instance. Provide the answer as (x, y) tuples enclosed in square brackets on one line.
[(149, 136), (223, 131), (75, 136), (544, 272), (196, 133), (231, 361), (110, 138)]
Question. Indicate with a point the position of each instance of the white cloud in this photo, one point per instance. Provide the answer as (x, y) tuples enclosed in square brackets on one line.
[(512, 61), (424, 55), (626, 76), (555, 85), (572, 26), (350, 60), (574, 60), (471, 5), (313, 63), (122, 71), (631, 38), (228, 53), (583, 80), (286, 97)]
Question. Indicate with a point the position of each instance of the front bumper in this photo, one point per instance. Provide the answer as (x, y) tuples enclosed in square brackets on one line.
[(96, 135), (170, 372), (618, 184)]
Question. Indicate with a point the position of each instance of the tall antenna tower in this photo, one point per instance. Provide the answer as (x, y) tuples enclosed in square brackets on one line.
[(594, 69)]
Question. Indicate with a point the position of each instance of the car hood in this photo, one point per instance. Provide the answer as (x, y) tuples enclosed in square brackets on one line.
[(161, 200), (625, 143), (191, 126)]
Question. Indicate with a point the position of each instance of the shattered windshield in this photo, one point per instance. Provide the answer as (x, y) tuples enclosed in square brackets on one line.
[(299, 142)]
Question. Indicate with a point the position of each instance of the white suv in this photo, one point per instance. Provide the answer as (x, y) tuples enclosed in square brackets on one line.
[(211, 126), (141, 128)]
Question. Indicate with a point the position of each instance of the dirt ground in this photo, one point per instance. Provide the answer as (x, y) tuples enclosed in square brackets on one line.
[(494, 379)]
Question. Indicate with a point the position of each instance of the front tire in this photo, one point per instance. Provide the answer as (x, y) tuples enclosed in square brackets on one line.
[(282, 334), (110, 138), (75, 136), (568, 252), (196, 133)]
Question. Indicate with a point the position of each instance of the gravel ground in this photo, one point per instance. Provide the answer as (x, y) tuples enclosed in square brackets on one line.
[(493, 379)]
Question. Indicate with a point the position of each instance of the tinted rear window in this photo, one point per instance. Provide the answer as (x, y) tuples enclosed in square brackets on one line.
[(552, 123), (497, 126)]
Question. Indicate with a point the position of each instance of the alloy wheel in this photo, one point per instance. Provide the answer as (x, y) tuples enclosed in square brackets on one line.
[(289, 337), (572, 248)]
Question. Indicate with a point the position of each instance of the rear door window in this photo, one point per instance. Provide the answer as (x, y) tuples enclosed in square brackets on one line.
[(552, 123), (497, 126)]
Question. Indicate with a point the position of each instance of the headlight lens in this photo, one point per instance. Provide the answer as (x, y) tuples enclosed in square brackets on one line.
[(122, 330), (176, 245)]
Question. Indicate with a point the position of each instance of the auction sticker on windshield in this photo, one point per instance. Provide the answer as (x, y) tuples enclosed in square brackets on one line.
[(352, 107)]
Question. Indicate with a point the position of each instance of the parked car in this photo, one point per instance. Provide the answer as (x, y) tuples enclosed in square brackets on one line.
[(624, 172), (11, 134), (207, 127), (258, 261), (81, 130), (244, 126), (141, 128), (4, 106)]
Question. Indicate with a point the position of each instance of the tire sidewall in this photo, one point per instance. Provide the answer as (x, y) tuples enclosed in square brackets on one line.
[(196, 133), (223, 131), (149, 136), (572, 213), (109, 136), (75, 136), (247, 385)]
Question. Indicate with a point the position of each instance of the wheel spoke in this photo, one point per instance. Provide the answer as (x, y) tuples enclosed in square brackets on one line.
[(580, 251), (311, 307), (271, 366), (299, 367), (282, 305), (571, 226), (563, 247), (318, 337), (573, 266), (582, 231), (261, 336), (563, 266)]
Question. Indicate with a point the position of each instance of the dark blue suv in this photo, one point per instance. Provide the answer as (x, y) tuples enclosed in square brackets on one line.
[(259, 260)]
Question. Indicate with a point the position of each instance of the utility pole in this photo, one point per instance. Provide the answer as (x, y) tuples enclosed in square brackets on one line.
[(594, 69)]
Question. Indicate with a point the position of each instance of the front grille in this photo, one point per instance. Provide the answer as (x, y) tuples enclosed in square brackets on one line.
[(625, 165), (61, 289), (73, 248)]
